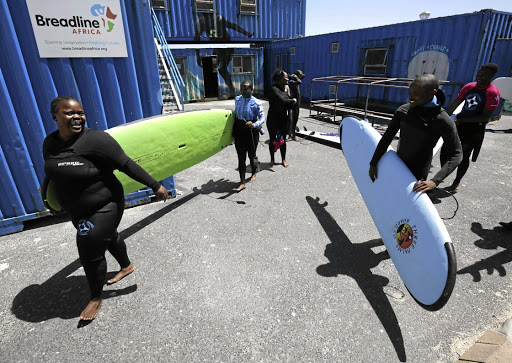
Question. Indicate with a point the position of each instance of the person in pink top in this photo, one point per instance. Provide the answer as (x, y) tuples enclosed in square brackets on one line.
[(481, 100)]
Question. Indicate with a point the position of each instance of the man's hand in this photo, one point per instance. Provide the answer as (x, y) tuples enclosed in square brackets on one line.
[(373, 172), (424, 186), (161, 193), (249, 124)]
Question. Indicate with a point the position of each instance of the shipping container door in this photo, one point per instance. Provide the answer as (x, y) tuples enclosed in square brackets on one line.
[(210, 77), (502, 56)]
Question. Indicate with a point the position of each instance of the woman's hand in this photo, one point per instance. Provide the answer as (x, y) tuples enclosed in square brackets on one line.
[(161, 193)]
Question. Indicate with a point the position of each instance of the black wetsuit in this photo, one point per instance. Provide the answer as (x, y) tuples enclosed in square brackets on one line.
[(81, 171), (294, 84), (277, 118), (420, 129)]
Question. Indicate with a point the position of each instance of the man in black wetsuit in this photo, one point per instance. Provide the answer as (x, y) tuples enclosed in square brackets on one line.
[(216, 28), (421, 122), (80, 162), (294, 84)]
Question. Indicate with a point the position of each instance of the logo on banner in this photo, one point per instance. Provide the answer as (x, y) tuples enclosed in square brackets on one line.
[(105, 14), (82, 25)]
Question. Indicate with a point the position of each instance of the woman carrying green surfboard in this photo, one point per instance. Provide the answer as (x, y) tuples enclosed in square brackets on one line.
[(80, 162)]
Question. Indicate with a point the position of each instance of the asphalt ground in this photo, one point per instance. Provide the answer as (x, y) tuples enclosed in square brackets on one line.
[(292, 269)]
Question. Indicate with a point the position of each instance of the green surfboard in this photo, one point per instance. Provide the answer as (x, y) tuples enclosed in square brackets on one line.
[(167, 144)]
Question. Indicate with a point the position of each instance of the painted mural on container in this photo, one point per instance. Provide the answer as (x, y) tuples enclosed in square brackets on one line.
[(215, 26), (431, 59)]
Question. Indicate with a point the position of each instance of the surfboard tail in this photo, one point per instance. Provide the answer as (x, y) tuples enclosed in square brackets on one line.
[(450, 281)]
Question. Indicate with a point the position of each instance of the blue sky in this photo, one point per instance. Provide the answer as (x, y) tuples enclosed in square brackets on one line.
[(328, 16)]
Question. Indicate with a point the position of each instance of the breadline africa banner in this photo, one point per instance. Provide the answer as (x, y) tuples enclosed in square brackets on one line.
[(78, 28)]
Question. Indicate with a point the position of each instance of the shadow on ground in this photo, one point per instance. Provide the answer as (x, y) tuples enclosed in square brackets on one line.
[(356, 261), (63, 296), (490, 239)]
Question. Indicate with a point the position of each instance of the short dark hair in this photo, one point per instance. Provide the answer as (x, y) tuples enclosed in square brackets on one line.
[(248, 82), (427, 81), (299, 73), (493, 67), (278, 74), (54, 105)]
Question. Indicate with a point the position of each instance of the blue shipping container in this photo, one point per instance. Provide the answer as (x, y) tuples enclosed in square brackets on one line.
[(402, 50), (265, 20), (113, 91)]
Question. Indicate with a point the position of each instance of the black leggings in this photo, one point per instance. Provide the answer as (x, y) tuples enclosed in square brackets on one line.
[(246, 143), (471, 144), (294, 119), (95, 235)]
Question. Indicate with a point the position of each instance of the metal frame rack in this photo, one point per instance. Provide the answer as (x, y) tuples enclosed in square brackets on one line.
[(335, 107)]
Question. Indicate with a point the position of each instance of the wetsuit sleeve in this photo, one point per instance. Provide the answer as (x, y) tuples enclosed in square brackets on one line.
[(259, 113), (278, 95), (110, 151), (295, 81), (137, 173), (465, 90), (492, 98), (386, 139), (451, 145)]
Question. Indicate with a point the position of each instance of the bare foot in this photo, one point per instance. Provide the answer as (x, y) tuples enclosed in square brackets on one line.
[(121, 274), (295, 138), (91, 310), (242, 186), (253, 177), (454, 187), (285, 164)]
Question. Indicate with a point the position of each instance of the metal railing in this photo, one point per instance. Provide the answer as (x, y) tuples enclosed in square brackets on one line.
[(335, 107), (177, 83)]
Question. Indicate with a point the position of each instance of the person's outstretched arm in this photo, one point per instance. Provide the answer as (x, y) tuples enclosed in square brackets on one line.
[(383, 145), (108, 149)]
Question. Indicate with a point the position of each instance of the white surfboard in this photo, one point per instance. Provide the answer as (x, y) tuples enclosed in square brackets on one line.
[(329, 139), (410, 227), (504, 85)]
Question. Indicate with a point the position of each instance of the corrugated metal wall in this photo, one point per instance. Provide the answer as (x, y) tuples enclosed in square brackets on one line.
[(113, 91), (194, 79), (435, 45), (276, 19)]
